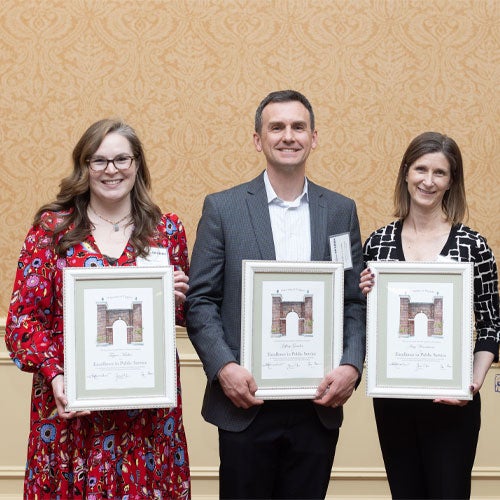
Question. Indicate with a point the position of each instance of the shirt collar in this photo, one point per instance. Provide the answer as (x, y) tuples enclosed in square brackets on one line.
[(273, 197)]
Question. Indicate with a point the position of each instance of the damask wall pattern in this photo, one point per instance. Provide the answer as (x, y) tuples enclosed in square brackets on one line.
[(188, 75)]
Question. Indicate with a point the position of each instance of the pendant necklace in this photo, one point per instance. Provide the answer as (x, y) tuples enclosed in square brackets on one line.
[(115, 225)]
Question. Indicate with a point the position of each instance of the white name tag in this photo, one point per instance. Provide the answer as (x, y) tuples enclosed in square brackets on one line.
[(444, 258), (157, 257), (340, 249)]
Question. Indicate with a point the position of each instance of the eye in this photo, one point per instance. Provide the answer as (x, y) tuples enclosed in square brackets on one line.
[(98, 162), (122, 160)]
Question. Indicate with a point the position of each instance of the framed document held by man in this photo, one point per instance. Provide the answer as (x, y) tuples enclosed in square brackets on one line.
[(292, 325)]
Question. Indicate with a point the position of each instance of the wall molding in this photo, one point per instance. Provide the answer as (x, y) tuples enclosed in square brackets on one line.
[(338, 473), (186, 359), (367, 482)]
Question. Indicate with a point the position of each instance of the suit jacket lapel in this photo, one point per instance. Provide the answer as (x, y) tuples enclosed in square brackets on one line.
[(258, 210), (319, 225)]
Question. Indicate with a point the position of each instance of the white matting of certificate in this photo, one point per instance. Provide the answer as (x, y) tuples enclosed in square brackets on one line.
[(298, 354), (418, 348), (123, 356)]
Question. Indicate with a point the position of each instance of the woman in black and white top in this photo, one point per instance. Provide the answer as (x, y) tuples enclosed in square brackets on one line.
[(429, 446)]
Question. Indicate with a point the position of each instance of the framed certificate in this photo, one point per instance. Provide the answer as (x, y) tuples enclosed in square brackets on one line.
[(292, 325), (419, 330), (119, 338)]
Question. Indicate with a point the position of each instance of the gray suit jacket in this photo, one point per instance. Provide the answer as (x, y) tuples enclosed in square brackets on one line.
[(235, 225)]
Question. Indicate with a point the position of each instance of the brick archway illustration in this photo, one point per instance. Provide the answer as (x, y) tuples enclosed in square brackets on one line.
[(132, 317), (432, 310), (280, 310)]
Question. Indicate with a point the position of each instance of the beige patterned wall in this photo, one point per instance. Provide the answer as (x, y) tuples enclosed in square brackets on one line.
[(188, 75)]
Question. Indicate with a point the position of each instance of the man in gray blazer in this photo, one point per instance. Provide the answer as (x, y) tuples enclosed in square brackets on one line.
[(273, 449)]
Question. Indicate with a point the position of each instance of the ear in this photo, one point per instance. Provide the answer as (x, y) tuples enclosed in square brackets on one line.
[(257, 142), (314, 141)]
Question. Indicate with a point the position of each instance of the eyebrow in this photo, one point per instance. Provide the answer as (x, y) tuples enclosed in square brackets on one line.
[(281, 122), (116, 156)]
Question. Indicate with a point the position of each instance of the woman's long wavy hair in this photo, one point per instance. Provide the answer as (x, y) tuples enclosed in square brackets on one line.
[(454, 202), (74, 194)]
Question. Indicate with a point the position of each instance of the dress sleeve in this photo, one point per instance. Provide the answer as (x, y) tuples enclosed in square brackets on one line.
[(178, 253), (34, 326), (486, 307), (370, 248), (367, 253)]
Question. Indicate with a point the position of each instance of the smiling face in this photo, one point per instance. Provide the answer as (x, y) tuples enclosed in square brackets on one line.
[(428, 178), (112, 185), (286, 138)]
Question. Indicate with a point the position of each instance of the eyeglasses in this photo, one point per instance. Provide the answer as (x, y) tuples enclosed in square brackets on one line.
[(120, 162)]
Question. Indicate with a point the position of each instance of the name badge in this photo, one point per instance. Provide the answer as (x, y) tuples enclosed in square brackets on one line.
[(157, 257), (444, 258), (340, 249)]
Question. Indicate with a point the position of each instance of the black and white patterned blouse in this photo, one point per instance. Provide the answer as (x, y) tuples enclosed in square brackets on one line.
[(463, 245)]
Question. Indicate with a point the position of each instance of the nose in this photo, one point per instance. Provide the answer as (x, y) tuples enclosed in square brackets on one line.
[(288, 134), (429, 179), (112, 162)]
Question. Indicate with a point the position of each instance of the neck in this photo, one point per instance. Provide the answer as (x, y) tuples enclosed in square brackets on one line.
[(426, 222), (287, 185), (114, 210), (115, 216)]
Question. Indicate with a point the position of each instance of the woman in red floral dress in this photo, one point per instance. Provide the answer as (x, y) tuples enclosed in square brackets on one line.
[(102, 216)]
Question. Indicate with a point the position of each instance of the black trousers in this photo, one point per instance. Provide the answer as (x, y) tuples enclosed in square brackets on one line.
[(285, 453), (428, 448)]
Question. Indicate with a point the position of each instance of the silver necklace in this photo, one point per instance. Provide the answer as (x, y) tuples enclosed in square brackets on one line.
[(115, 225)]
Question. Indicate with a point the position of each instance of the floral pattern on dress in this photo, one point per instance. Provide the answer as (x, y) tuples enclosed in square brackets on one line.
[(127, 454)]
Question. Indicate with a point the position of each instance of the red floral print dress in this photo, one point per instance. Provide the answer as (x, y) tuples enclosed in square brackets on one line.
[(127, 454)]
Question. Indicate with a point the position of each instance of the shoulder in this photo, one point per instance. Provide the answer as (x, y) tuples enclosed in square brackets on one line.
[(49, 221), (386, 233), (170, 233), (331, 196), (240, 189), (470, 241), (464, 232), (170, 224), (229, 201), (45, 230)]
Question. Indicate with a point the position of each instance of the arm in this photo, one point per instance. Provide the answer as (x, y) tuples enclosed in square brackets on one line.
[(34, 327), (207, 331), (487, 317), (486, 303), (366, 281), (178, 255), (339, 384), (481, 365), (374, 250)]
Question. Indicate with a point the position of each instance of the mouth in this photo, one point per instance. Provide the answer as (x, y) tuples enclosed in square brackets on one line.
[(425, 191), (112, 182)]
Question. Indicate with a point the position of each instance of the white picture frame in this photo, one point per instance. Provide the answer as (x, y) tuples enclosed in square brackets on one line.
[(119, 338), (289, 356), (420, 330)]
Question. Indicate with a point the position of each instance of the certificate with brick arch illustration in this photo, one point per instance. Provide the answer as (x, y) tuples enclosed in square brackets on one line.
[(120, 354), (119, 338), (419, 331), (292, 325)]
